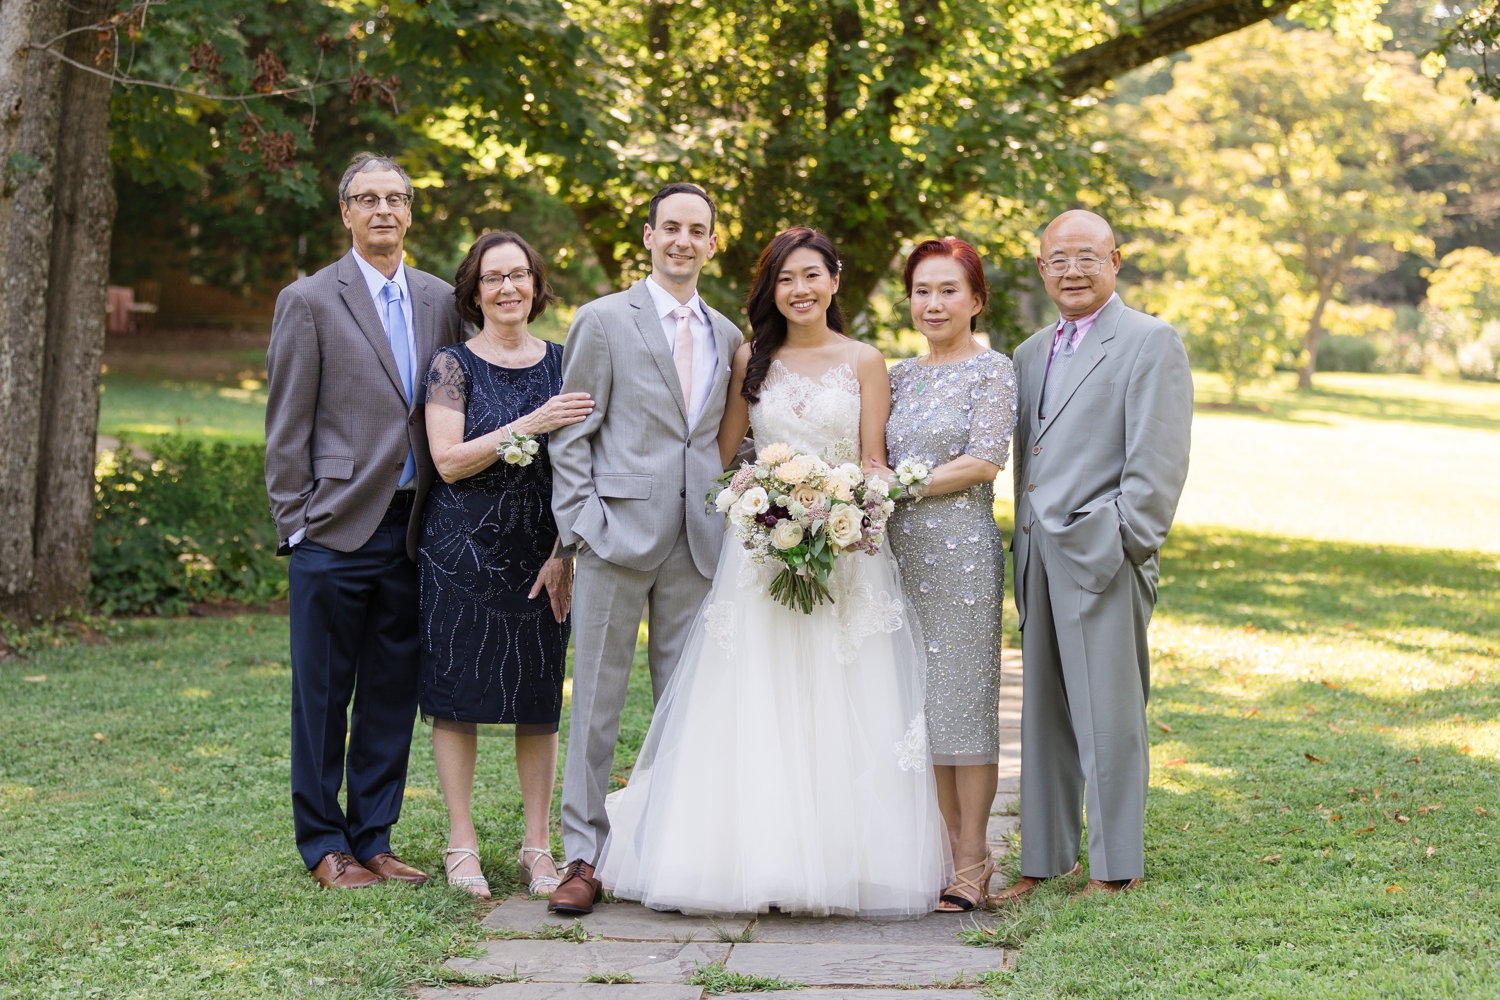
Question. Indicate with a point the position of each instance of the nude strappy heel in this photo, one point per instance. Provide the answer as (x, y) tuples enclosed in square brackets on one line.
[(472, 883), (541, 885), (956, 899)]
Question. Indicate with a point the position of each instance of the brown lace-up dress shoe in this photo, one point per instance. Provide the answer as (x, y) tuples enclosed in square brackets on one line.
[(388, 866), (1110, 887), (1023, 886), (578, 892), (338, 870)]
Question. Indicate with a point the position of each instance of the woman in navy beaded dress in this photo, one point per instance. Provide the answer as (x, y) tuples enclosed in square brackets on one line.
[(495, 598)]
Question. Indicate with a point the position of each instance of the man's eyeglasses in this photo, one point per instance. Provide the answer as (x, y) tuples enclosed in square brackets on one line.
[(1058, 266), (494, 279), (370, 202)]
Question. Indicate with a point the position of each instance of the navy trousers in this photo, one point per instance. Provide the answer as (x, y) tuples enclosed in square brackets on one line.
[(354, 635)]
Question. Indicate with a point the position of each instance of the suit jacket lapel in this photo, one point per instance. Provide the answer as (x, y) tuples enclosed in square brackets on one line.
[(424, 323), (716, 326), (648, 324), (356, 296), (1087, 359)]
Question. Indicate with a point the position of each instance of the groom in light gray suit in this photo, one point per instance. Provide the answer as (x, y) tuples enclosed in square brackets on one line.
[(628, 492), (1101, 453)]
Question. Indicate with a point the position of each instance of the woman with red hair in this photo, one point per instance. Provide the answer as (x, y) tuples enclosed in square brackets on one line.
[(953, 411)]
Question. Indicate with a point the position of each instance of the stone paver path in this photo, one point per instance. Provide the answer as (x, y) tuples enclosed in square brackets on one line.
[(836, 957)]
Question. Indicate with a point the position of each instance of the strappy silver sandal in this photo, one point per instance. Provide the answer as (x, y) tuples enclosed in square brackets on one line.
[(541, 885), (469, 882)]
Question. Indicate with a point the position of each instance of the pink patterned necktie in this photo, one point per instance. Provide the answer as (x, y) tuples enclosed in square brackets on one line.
[(682, 353)]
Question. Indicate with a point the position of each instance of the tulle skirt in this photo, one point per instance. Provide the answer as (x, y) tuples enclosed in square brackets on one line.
[(787, 762)]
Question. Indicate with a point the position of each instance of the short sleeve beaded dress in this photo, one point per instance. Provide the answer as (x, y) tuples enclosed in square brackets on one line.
[(491, 656), (951, 555)]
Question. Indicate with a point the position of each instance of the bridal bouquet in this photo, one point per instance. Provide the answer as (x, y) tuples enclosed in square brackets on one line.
[(801, 512)]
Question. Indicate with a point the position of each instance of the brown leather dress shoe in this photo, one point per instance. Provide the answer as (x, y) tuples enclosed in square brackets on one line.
[(388, 866), (1110, 887), (1023, 887), (578, 892), (338, 870)]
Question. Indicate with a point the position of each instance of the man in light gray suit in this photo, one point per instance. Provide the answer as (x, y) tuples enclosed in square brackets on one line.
[(1101, 453), (347, 470), (628, 492)]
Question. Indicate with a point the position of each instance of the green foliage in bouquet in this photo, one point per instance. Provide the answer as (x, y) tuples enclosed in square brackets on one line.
[(189, 524)]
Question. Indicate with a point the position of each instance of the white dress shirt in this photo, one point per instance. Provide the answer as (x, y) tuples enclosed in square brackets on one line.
[(705, 351)]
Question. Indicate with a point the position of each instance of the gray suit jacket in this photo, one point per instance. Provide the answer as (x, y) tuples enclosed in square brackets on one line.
[(625, 480), (1100, 477), (337, 422)]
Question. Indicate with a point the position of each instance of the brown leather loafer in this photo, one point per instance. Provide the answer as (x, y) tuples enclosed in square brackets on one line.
[(1110, 887), (338, 870), (578, 892), (388, 866), (1023, 886)]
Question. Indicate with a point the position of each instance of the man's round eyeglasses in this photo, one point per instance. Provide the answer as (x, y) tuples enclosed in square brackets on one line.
[(370, 202), (494, 279), (1058, 266)]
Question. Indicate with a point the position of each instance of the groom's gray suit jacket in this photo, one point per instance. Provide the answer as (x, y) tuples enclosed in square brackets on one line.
[(625, 479)]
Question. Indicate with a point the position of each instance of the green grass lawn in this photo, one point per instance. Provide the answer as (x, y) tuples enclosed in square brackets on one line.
[(145, 829), (157, 861), (135, 407)]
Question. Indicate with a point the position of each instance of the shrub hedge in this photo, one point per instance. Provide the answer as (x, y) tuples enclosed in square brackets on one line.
[(190, 523), (1338, 353)]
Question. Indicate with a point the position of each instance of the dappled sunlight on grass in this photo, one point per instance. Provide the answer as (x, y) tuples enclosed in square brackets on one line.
[(1324, 808), (1407, 398)]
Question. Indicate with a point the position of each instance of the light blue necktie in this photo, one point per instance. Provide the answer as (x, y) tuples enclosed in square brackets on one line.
[(395, 329)]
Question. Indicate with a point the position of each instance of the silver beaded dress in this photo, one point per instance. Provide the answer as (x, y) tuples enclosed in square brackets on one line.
[(949, 548)]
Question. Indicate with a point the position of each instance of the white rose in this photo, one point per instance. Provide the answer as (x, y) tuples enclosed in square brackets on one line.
[(888, 506), (878, 486), (850, 473), (842, 491), (725, 500), (531, 447), (807, 496), (786, 535), (739, 516), (513, 455), (755, 501), (844, 526)]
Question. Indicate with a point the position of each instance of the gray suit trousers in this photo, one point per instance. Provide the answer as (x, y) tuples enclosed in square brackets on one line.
[(1083, 718), (607, 604)]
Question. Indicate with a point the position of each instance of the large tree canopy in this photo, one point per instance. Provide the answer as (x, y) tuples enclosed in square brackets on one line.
[(871, 119)]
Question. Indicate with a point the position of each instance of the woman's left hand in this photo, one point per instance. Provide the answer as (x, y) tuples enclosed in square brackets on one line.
[(557, 578)]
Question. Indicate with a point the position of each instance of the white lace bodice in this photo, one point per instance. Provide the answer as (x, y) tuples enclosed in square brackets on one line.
[(819, 418)]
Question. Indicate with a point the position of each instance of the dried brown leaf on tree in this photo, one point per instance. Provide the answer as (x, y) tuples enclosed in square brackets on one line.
[(249, 133), (361, 86), (325, 42), (204, 58), (277, 151), (269, 73)]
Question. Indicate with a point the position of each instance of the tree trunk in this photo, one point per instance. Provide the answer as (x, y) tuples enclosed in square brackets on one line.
[(1314, 333), (24, 265), (82, 222)]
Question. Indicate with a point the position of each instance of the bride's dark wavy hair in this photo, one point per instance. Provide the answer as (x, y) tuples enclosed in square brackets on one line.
[(767, 324)]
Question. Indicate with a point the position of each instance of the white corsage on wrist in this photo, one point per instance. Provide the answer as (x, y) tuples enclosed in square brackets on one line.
[(913, 475), (518, 449)]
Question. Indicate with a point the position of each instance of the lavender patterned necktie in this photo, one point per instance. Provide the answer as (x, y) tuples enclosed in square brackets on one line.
[(1057, 372)]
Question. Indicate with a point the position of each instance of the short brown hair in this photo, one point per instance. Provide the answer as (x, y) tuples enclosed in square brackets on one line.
[(466, 279)]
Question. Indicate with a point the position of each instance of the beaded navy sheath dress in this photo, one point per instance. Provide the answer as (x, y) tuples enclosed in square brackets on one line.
[(490, 655)]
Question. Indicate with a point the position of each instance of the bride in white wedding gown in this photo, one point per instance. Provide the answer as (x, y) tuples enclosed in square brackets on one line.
[(787, 765)]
